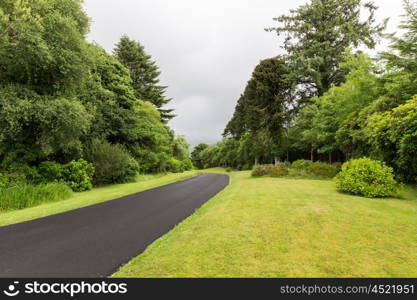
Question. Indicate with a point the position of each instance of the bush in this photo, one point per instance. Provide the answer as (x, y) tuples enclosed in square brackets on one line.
[(366, 177), (277, 171), (187, 165), (285, 164), (246, 167), (297, 173), (23, 196), (269, 170), (260, 170), (50, 171), (78, 175), (174, 165), (18, 175), (113, 164), (302, 164), (229, 170), (324, 170), (338, 165)]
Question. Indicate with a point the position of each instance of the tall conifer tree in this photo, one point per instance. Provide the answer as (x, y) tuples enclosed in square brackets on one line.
[(144, 73)]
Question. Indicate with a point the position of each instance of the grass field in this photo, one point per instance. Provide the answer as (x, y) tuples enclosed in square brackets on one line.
[(270, 227), (94, 196)]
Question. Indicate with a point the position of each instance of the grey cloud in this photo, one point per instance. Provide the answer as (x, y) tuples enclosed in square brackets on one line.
[(206, 49)]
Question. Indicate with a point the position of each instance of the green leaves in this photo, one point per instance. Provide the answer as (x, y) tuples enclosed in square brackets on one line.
[(144, 74), (316, 36), (366, 177), (42, 44), (43, 124)]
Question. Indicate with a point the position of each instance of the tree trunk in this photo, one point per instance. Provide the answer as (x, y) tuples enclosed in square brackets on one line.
[(256, 161), (312, 155), (276, 160), (330, 158)]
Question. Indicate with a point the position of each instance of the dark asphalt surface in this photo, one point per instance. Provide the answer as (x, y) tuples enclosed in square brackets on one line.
[(95, 241)]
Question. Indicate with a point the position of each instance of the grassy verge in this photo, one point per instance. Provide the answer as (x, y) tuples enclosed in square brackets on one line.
[(94, 196), (271, 227), (24, 196)]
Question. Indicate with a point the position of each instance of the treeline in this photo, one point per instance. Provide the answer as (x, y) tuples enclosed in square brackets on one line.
[(323, 101), (71, 112)]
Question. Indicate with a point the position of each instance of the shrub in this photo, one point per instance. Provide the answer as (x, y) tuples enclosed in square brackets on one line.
[(23, 196), (338, 165), (296, 173), (324, 170), (366, 177), (277, 171), (246, 167), (50, 171), (260, 170), (229, 170), (269, 170), (4, 180), (13, 178), (302, 164), (285, 164), (174, 165), (112, 163), (78, 175), (187, 164)]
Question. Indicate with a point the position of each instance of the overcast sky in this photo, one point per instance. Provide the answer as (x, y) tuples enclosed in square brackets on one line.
[(206, 49)]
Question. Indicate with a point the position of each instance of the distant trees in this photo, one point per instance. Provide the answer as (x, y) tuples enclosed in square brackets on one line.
[(195, 155), (144, 73), (327, 103)]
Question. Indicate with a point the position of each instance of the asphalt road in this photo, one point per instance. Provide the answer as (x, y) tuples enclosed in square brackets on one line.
[(95, 241)]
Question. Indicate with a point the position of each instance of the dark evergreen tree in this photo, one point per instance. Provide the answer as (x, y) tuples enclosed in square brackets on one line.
[(196, 155), (265, 105), (145, 75), (316, 37)]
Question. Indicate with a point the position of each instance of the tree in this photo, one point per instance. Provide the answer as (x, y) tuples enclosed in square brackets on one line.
[(196, 155), (42, 44), (316, 36), (393, 136), (36, 128), (360, 89), (181, 148), (265, 104), (401, 61), (144, 73), (109, 95), (306, 138)]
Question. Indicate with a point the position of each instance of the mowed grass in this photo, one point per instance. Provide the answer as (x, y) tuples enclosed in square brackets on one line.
[(94, 196), (270, 227)]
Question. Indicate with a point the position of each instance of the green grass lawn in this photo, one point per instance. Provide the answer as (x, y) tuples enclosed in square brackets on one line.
[(270, 227), (94, 196)]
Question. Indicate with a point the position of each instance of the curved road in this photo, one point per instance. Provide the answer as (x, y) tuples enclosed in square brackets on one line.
[(95, 241)]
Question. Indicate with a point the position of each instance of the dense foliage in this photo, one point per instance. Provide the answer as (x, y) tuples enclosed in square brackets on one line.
[(65, 101), (299, 168), (113, 164), (324, 101), (366, 177), (144, 74)]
